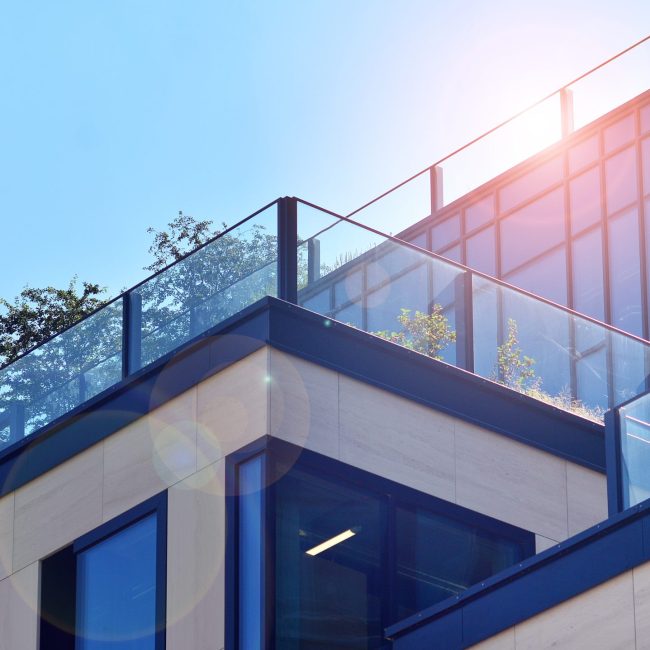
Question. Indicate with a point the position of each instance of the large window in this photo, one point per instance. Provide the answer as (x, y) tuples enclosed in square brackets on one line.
[(107, 590), (327, 555)]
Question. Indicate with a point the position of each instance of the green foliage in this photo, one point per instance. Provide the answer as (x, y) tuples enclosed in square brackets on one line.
[(37, 314), (513, 368), (425, 333)]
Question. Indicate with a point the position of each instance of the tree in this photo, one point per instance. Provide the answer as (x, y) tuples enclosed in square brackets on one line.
[(428, 334), (37, 314), (513, 368)]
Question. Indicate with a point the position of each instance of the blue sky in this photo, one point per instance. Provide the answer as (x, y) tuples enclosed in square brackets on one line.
[(117, 114)]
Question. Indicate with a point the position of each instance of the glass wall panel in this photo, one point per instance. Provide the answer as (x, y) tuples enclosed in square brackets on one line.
[(619, 133), (532, 230), (480, 251), (439, 557), (116, 591), (349, 288), (318, 302), (251, 579), (583, 154), (545, 277), (625, 271), (445, 232), (329, 564), (591, 378), (530, 184), (588, 291), (645, 153), (620, 180), (635, 451), (351, 315), (479, 213), (584, 192), (645, 119), (453, 253), (420, 240)]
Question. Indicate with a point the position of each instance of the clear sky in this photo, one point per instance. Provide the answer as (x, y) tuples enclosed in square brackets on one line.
[(115, 114)]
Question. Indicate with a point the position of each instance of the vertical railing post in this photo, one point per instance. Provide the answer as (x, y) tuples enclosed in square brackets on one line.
[(288, 249), (131, 333), (566, 111), (613, 456), (464, 307), (16, 422), (435, 180), (313, 260)]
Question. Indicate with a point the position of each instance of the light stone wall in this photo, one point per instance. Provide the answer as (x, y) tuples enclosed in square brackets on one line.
[(612, 616), (181, 447)]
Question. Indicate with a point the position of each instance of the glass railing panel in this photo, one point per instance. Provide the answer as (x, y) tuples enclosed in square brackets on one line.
[(635, 450), (379, 284), (209, 286), (612, 85), (64, 372)]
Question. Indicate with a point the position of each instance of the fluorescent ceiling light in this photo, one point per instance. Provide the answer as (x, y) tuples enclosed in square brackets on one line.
[(341, 537)]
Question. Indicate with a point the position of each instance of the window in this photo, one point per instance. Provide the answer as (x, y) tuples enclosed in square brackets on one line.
[(327, 555), (107, 590)]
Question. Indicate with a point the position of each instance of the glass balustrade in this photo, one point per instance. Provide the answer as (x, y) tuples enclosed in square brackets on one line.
[(634, 426)]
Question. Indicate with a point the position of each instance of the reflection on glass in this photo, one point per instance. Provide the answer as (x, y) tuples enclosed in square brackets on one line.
[(544, 277), (588, 293), (534, 182), (116, 591), (584, 191), (480, 251), (635, 450), (620, 180)]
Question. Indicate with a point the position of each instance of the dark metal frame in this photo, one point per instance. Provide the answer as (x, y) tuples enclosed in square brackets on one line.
[(273, 450)]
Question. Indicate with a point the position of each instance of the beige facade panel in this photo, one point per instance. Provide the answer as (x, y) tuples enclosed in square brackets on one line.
[(150, 454), (641, 576), (6, 535), (58, 507), (233, 407), (195, 561), (542, 543), (587, 497), (503, 641), (19, 597)]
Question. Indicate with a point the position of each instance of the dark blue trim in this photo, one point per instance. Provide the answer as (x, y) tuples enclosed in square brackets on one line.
[(320, 340), (534, 585), (288, 249)]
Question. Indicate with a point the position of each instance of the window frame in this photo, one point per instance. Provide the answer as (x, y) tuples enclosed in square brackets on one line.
[(67, 559), (395, 494)]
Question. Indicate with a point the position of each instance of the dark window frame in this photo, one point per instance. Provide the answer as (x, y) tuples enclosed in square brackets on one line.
[(59, 575), (396, 494)]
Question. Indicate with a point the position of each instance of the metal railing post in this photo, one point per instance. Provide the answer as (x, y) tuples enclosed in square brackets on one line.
[(288, 249), (615, 499), (464, 307), (566, 111), (436, 185), (313, 260), (131, 333)]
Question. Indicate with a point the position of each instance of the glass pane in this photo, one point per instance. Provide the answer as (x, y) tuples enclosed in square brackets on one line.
[(583, 154), (350, 315), (452, 253), (620, 180), (586, 208), (618, 134), (67, 371), (532, 230), (645, 119), (445, 232), (480, 251), (625, 272), (329, 565), (349, 288), (588, 291), (591, 377), (317, 302), (534, 182), (251, 581), (439, 557), (545, 277), (209, 286), (635, 451), (645, 153), (479, 213), (116, 591)]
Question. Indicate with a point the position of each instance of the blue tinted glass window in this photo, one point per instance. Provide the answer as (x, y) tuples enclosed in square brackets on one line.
[(619, 133), (319, 302), (625, 272), (480, 213), (532, 230), (620, 180), (532, 183), (116, 591), (645, 153), (480, 251), (250, 554), (546, 277), (585, 200), (329, 564), (583, 154), (588, 292), (439, 557), (445, 232)]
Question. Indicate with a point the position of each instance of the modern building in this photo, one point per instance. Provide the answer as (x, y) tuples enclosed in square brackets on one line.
[(309, 434)]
